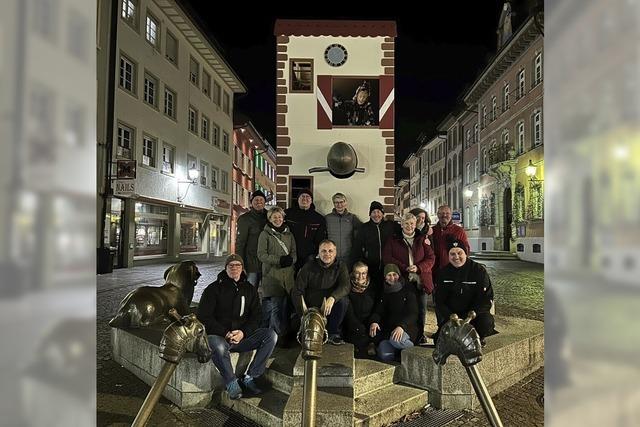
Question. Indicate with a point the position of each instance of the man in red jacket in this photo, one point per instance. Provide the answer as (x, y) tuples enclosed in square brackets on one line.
[(445, 231)]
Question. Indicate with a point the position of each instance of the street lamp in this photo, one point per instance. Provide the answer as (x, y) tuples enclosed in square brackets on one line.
[(192, 175), (468, 193), (530, 170)]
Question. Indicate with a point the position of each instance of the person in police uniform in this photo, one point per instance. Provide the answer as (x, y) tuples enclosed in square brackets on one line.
[(464, 285)]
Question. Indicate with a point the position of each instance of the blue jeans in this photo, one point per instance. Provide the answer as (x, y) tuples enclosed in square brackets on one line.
[(389, 350), (275, 314), (335, 318), (423, 299), (263, 340), (254, 278)]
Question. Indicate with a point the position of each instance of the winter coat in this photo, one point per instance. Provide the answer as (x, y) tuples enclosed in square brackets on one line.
[(396, 252), (315, 281), (397, 309), (276, 280), (309, 228), (227, 305), (440, 237), (358, 316), (370, 242), (250, 225), (463, 289), (342, 230)]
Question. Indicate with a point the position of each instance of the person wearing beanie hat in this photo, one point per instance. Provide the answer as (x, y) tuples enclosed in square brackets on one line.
[(370, 241), (394, 324), (230, 311), (309, 228), (464, 285), (250, 225)]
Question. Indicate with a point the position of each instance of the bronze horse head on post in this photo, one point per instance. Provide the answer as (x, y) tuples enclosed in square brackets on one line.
[(186, 334), (150, 305), (313, 332), (458, 337)]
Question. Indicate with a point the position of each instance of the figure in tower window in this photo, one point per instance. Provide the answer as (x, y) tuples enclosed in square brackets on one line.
[(359, 110)]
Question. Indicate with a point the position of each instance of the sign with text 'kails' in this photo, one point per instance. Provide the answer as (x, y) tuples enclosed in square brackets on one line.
[(125, 187)]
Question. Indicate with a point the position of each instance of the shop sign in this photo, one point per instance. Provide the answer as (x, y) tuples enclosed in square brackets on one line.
[(456, 217), (125, 187)]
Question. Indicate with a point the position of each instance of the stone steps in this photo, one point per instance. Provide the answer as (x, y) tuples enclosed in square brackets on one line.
[(265, 410), (494, 255), (371, 375), (388, 404)]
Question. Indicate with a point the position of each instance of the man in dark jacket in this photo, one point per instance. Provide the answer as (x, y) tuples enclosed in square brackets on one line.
[(464, 285), (342, 227), (250, 225), (324, 279), (394, 322), (230, 311), (309, 228), (370, 241)]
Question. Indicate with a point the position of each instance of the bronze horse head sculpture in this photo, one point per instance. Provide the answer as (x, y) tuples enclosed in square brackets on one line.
[(313, 332), (150, 305), (458, 337), (186, 334)]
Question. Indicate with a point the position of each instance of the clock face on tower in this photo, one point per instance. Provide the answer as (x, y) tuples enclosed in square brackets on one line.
[(335, 55)]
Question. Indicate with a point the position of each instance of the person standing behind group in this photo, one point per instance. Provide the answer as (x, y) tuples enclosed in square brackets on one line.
[(342, 227), (250, 225), (423, 222), (443, 231), (277, 253), (309, 228), (414, 256), (370, 242)]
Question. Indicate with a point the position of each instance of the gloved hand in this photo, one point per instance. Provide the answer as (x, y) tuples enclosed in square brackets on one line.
[(286, 261)]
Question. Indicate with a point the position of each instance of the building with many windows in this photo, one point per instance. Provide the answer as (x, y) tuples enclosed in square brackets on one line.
[(165, 111)]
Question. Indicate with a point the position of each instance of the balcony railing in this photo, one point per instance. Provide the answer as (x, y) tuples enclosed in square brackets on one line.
[(501, 154)]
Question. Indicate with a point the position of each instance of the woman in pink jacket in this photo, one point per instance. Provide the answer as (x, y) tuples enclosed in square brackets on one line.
[(413, 254)]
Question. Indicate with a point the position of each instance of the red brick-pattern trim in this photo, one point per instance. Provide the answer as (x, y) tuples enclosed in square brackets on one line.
[(282, 57), (282, 39), (389, 159), (389, 54), (283, 141), (280, 74), (389, 39), (282, 48), (389, 209), (281, 82), (284, 160), (390, 150), (280, 65), (282, 130), (281, 90), (388, 62), (282, 151), (389, 183), (282, 170), (280, 120), (281, 180), (389, 71), (282, 109), (281, 188), (389, 200), (281, 99), (386, 192), (391, 167), (387, 46), (387, 134), (389, 174)]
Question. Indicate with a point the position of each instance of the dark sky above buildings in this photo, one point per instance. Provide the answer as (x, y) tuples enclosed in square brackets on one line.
[(440, 50)]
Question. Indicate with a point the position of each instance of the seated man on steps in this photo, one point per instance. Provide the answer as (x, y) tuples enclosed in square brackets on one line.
[(230, 311)]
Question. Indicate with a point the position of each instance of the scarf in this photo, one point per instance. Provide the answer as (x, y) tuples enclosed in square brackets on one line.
[(390, 289), (358, 289), (280, 229)]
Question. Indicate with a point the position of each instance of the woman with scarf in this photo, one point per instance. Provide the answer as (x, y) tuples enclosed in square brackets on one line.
[(277, 253), (362, 300), (413, 254), (464, 285), (393, 324)]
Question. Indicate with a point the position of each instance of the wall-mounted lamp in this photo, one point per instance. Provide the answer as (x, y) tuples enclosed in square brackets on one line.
[(468, 193), (531, 170), (192, 175)]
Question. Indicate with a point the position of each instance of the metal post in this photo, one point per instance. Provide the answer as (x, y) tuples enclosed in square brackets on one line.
[(309, 393), (483, 396), (154, 394)]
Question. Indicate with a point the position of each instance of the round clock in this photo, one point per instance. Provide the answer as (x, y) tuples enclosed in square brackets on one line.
[(335, 55)]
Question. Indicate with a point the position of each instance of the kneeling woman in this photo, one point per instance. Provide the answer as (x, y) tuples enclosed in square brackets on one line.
[(394, 323), (464, 285)]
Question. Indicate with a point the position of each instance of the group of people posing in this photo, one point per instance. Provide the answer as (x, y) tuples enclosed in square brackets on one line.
[(372, 279)]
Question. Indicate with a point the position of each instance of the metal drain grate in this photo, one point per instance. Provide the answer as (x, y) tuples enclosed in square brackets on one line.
[(217, 417), (431, 417)]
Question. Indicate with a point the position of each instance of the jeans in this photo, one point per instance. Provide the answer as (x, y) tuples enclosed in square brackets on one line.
[(254, 278), (423, 299), (275, 314), (389, 350), (335, 318), (263, 340)]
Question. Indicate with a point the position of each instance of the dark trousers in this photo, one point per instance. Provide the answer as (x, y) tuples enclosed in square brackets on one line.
[(336, 317), (484, 323), (263, 340), (423, 299)]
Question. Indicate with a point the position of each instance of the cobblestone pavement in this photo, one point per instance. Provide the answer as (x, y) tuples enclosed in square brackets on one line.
[(518, 287)]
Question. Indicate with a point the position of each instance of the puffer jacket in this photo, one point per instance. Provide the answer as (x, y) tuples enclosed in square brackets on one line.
[(342, 230), (396, 252), (276, 280)]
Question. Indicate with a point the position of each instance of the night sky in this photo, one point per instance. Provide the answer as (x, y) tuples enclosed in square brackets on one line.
[(439, 53)]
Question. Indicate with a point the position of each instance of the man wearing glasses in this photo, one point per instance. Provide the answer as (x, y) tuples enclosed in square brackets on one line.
[(342, 227), (230, 311)]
